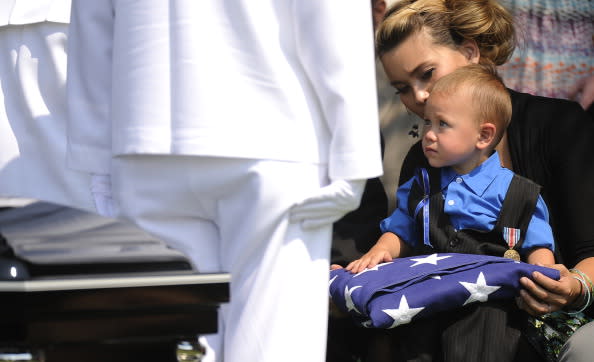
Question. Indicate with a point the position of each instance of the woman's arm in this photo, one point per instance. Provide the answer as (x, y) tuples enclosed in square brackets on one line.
[(558, 157)]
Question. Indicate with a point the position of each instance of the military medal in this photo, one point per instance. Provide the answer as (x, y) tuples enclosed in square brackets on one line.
[(512, 254), (511, 237)]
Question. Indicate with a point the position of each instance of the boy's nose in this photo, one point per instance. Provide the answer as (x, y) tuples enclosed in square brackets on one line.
[(429, 135)]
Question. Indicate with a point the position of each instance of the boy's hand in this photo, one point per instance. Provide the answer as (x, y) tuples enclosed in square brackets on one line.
[(373, 257)]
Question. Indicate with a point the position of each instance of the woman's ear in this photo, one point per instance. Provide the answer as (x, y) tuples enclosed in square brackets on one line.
[(471, 51), (486, 135)]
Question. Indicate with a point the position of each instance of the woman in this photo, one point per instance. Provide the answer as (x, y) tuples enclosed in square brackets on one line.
[(548, 140)]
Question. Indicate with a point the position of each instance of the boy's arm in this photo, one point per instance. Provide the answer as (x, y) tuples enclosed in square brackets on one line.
[(388, 247), (541, 256), (539, 239)]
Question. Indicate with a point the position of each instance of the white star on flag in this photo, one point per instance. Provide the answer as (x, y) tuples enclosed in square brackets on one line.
[(370, 269), (332, 280), (479, 291), (403, 314), (349, 300), (367, 324), (330, 284), (431, 259)]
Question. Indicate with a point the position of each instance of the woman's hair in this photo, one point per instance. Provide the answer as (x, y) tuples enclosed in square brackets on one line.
[(449, 23), (490, 99)]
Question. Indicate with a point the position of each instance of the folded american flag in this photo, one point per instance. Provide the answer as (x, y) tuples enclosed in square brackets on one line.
[(394, 293)]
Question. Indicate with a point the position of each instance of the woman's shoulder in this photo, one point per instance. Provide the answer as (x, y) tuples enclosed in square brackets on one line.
[(522, 97), (532, 108)]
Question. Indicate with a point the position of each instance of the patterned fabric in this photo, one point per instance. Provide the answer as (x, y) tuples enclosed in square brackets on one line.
[(555, 46), (406, 289), (549, 333)]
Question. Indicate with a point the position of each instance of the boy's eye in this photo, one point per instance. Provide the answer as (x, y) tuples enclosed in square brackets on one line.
[(426, 122), (443, 124)]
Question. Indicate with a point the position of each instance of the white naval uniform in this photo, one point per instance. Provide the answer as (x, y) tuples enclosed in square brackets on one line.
[(273, 98), (33, 104)]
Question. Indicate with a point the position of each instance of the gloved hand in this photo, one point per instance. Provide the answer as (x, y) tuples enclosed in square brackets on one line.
[(329, 204), (101, 191)]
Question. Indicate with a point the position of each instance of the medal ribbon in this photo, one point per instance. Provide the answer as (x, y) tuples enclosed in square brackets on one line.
[(511, 236), (423, 180)]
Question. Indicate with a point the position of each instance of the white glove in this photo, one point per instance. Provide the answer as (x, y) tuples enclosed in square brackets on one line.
[(101, 191), (329, 204)]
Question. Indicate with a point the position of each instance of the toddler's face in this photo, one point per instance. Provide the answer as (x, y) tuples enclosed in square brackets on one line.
[(450, 131)]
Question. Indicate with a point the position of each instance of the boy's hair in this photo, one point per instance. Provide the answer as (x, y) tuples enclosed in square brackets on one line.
[(490, 98)]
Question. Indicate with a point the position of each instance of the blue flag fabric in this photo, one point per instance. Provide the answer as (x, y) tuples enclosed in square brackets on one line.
[(394, 293)]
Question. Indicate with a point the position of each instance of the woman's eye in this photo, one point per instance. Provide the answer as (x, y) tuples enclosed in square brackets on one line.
[(401, 90), (428, 74)]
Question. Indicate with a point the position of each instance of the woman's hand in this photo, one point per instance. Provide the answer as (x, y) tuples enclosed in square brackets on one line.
[(542, 295), (583, 92)]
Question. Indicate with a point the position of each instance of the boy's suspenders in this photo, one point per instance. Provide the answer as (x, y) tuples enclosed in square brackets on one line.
[(518, 206), (516, 212)]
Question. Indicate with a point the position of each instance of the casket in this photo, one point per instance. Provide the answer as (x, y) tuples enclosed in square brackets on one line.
[(75, 286)]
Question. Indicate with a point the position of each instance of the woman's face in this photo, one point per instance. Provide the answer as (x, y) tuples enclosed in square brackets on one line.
[(414, 66)]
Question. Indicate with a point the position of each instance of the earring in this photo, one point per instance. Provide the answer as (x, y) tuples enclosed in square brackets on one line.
[(414, 132)]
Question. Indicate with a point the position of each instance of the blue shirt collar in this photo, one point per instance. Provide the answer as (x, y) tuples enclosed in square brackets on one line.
[(478, 179)]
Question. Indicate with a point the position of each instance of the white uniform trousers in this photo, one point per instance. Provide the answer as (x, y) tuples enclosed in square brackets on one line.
[(231, 215)]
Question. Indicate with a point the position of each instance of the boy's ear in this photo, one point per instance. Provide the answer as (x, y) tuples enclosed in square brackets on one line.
[(486, 135)]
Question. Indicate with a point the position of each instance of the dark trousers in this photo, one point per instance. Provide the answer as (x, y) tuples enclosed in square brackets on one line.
[(482, 332)]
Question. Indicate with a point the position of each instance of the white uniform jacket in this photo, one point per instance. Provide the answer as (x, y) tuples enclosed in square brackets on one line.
[(23, 12), (33, 35), (191, 77)]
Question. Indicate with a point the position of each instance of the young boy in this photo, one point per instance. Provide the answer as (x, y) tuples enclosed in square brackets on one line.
[(466, 116)]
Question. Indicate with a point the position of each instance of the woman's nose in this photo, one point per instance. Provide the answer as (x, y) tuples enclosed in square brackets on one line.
[(421, 96)]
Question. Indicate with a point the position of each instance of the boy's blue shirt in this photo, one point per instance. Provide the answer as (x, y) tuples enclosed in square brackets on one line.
[(473, 201)]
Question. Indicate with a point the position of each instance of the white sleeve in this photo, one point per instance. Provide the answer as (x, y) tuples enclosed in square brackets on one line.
[(22, 12), (89, 85), (335, 46)]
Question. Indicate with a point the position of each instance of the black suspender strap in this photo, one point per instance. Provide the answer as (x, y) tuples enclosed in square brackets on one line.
[(518, 206)]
